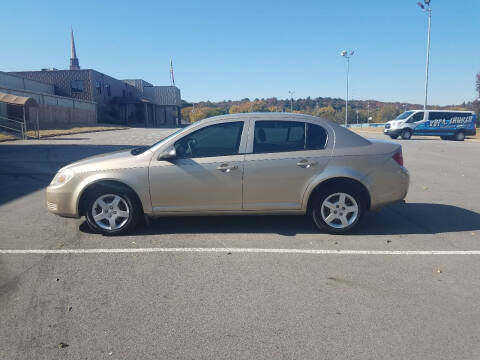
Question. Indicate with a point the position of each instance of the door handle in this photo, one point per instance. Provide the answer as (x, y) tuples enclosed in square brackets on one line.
[(306, 163), (227, 168)]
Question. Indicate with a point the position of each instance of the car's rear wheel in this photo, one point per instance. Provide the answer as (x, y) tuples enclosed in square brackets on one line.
[(393, 137), (459, 136), (406, 134), (338, 209), (112, 211), (444, 137)]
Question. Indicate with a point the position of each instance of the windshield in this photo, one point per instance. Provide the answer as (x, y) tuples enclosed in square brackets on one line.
[(141, 149), (171, 135), (404, 115)]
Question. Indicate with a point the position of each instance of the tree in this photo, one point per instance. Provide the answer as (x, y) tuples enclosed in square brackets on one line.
[(186, 113), (387, 113)]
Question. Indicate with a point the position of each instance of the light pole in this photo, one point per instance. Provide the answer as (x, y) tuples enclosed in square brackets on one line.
[(291, 100), (347, 56), (428, 11)]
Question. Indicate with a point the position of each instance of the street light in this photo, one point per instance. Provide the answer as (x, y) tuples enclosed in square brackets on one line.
[(291, 100), (428, 11), (347, 56)]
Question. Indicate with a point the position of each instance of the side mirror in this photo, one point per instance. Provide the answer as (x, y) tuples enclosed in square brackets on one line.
[(168, 154)]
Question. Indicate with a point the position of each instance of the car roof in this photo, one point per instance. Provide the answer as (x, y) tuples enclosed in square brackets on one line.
[(457, 111), (269, 116), (343, 136)]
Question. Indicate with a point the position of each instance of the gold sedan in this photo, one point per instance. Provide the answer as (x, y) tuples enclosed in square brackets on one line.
[(257, 163)]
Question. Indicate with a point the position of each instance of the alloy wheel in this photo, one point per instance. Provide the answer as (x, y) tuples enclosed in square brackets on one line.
[(110, 212), (339, 210)]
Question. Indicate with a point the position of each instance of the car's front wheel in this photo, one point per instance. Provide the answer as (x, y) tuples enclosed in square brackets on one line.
[(338, 209), (406, 134), (112, 211)]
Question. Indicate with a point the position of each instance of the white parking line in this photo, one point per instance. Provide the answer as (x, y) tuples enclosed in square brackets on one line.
[(240, 250)]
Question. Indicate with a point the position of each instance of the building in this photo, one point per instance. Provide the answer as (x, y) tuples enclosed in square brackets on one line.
[(131, 102), (52, 108)]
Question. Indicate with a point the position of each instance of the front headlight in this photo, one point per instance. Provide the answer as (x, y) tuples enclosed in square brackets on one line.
[(62, 177)]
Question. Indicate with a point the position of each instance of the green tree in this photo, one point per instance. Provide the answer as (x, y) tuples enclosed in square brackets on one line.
[(387, 113)]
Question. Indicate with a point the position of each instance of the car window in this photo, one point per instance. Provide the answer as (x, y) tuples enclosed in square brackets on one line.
[(316, 137), (214, 140), (283, 136), (404, 115), (278, 136), (437, 115), (416, 117)]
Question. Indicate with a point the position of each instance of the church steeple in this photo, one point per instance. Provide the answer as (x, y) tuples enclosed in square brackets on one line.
[(74, 65)]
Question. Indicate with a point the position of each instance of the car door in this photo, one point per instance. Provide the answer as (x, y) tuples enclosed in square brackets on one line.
[(206, 173), (282, 159), (417, 122)]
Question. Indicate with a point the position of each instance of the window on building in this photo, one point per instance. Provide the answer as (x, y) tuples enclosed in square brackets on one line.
[(77, 86), (107, 86), (98, 86)]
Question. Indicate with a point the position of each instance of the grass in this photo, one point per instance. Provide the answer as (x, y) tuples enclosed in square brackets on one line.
[(75, 130), (5, 137), (64, 129)]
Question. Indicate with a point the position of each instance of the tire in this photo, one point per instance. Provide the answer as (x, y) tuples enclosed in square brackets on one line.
[(112, 210), (406, 134), (328, 205), (459, 136), (443, 137), (393, 137)]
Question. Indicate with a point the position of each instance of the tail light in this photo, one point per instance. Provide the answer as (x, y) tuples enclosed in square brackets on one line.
[(398, 157)]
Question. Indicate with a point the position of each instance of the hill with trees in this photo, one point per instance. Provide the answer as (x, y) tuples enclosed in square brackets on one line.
[(325, 107)]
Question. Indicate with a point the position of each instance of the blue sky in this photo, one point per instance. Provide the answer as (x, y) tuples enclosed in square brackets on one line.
[(237, 49)]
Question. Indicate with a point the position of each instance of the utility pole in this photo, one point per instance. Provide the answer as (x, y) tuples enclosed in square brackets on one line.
[(291, 100)]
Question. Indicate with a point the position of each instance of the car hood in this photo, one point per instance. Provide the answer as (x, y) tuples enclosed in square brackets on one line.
[(115, 160)]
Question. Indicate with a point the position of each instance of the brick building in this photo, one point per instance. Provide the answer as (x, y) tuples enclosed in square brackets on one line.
[(132, 102)]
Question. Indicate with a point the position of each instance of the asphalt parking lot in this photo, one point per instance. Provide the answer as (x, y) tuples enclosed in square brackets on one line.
[(404, 285)]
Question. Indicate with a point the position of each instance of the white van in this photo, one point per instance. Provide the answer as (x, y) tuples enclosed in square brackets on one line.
[(449, 125)]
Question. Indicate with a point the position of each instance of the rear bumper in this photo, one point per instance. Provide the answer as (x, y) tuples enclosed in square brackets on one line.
[(389, 185), (471, 132)]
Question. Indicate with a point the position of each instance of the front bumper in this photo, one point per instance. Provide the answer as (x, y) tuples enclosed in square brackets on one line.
[(60, 202), (392, 132)]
